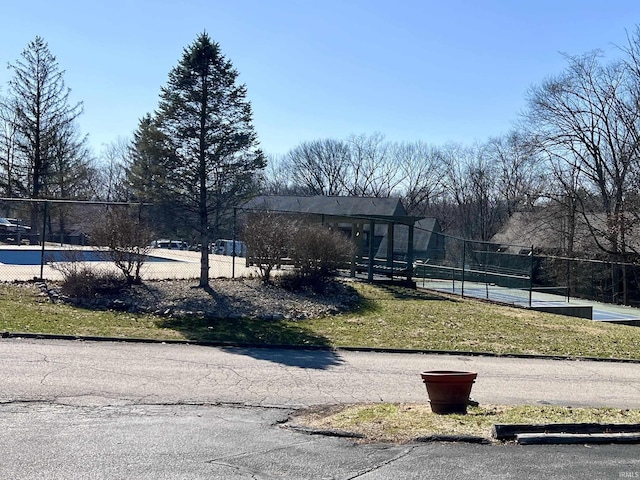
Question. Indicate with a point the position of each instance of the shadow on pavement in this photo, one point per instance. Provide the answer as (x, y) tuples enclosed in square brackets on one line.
[(312, 359)]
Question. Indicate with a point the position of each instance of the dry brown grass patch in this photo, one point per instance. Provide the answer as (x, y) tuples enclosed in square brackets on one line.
[(404, 423)]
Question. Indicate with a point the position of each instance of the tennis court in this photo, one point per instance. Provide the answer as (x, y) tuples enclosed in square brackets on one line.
[(533, 299)]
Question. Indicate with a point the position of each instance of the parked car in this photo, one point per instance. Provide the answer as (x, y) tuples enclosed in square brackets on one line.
[(12, 225), (170, 244)]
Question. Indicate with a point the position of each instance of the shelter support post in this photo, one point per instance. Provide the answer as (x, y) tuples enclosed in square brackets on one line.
[(390, 246), (372, 226), (410, 255), (354, 255)]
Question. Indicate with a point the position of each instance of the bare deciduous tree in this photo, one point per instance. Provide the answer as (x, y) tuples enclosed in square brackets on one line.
[(471, 203), (519, 170), (319, 167), (371, 169), (420, 169), (268, 236), (112, 182), (275, 178), (587, 119)]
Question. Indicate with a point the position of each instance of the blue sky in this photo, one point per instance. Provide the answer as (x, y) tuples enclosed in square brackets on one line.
[(435, 71)]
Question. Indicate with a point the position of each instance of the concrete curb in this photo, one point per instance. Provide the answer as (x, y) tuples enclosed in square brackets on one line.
[(423, 439), (454, 439), (567, 433), (571, 438)]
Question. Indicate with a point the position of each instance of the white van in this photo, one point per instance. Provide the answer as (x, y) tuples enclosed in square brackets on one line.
[(225, 247)]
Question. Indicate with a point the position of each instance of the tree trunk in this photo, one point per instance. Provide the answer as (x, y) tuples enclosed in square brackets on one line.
[(204, 261)]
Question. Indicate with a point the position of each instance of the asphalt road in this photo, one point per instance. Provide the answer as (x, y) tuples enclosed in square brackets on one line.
[(97, 373), (125, 410)]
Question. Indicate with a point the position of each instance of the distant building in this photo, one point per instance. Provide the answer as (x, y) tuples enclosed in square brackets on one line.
[(380, 227), (548, 231), (428, 241)]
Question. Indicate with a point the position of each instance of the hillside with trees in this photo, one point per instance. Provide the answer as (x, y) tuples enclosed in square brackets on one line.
[(571, 161)]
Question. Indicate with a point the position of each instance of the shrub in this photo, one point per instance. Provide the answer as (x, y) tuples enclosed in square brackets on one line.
[(268, 236), (318, 251), (295, 281), (127, 239), (79, 280)]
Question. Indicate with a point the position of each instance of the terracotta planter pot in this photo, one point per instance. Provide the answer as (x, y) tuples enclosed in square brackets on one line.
[(448, 390)]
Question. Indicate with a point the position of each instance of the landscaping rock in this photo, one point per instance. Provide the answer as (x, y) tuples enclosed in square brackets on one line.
[(228, 298)]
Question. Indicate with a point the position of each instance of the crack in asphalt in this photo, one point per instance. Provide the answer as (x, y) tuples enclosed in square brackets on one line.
[(254, 474), (45, 359), (134, 403), (260, 452), (380, 465)]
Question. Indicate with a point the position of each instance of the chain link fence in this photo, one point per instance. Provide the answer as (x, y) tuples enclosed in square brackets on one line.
[(516, 274), (597, 280), (477, 269), (39, 239)]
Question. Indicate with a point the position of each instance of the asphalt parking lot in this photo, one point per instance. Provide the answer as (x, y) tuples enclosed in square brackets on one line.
[(126, 410)]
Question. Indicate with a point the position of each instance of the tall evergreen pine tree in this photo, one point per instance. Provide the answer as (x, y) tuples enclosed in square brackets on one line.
[(207, 121)]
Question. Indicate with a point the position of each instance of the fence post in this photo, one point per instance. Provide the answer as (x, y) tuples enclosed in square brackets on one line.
[(486, 279), (372, 228), (410, 254), (625, 296), (531, 277), (614, 283), (44, 238), (233, 250), (390, 246), (594, 291), (464, 255), (354, 256), (568, 280)]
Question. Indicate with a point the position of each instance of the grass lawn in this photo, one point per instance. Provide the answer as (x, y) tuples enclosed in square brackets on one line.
[(23, 309), (387, 318), (403, 423), (401, 318)]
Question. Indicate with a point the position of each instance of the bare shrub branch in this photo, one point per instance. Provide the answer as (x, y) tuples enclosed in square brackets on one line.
[(267, 236), (127, 239)]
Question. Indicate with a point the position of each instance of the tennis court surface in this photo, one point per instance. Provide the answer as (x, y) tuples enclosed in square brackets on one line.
[(535, 300)]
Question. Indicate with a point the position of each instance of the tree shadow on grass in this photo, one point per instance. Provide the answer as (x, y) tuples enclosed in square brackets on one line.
[(405, 293), (244, 331), (229, 319), (366, 305)]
